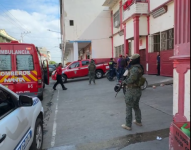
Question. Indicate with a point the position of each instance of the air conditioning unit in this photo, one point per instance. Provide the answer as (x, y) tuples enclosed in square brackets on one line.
[(117, 24)]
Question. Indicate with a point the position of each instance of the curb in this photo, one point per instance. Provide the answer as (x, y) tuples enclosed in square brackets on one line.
[(158, 84)]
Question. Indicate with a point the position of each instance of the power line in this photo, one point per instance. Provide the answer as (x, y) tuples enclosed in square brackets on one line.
[(14, 19)]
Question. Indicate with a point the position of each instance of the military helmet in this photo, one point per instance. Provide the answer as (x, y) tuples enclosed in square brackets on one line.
[(117, 88)]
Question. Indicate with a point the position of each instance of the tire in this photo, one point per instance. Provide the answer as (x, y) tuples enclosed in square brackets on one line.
[(38, 135), (145, 85), (64, 78), (99, 74), (109, 77)]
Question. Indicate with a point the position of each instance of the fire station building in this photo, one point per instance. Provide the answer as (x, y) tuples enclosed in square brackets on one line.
[(145, 27)]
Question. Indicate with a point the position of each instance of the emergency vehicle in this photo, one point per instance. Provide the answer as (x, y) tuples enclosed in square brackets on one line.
[(79, 68), (21, 69), (21, 121)]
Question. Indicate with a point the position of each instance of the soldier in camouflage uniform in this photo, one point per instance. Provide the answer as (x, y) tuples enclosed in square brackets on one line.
[(92, 69), (133, 93)]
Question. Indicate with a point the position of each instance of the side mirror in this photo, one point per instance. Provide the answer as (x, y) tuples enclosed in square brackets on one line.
[(25, 101)]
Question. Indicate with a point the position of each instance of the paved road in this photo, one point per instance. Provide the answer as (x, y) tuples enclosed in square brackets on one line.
[(90, 117)]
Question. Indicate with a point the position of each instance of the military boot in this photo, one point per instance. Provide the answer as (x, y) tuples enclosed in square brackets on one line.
[(138, 124), (126, 127)]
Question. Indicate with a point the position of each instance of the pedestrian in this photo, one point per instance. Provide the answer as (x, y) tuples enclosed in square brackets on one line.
[(59, 77), (133, 92), (120, 67), (92, 69), (112, 63), (158, 64)]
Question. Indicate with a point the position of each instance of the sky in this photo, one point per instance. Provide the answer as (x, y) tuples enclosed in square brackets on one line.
[(36, 17)]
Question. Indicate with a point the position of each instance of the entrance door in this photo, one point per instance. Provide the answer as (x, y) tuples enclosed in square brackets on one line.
[(152, 63), (143, 58)]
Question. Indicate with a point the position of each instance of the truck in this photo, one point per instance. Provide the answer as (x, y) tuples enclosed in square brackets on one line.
[(79, 68)]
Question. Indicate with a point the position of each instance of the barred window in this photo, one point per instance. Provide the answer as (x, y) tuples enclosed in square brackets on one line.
[(167, 40), (130, 48), (119, 50), (154, 42), (116, 18)]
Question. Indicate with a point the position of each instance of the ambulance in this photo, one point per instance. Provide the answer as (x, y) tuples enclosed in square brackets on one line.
[(22, 70)]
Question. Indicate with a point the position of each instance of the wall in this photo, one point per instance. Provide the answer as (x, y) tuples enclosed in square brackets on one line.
[(187, 95), (83, 12), (155, 3), (143, 29), (129, 29), (118, 40), (99, 32), (164, 22), (101, 48)]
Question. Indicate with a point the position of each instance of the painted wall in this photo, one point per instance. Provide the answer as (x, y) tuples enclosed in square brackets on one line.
[(99, 32), (155, 3), (118, 40), (101, 48), (175, 91), (129, 29), (164, 22), (83, 12), (143, 29), (187, 96)]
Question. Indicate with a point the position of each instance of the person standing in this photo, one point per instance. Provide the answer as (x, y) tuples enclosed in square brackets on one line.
[(112, 63), (133, 93), (92, 69), (158, 64), (59, 77), (120, 67)]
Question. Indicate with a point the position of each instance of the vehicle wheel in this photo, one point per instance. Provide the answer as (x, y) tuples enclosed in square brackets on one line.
[(64, 78), (41, 97), (99, 74), (38, 135), (109, 77), (145, 85)]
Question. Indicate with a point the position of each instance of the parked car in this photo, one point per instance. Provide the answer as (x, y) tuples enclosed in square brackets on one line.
[(80, 69), (22, 70), (21, 121), (51, 69)]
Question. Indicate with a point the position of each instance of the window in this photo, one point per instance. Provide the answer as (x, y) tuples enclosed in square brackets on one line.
[(130, 47), (25, 62), (155, 43), (71, 22), (85, 63), (119, 50), (74, 65), (5, 63), (116, 19), (6, 104), (167, 40)]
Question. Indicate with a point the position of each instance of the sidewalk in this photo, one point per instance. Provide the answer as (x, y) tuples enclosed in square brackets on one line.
[(157, 80)]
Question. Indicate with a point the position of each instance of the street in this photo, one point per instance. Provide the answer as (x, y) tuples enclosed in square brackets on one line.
[(89, 117)]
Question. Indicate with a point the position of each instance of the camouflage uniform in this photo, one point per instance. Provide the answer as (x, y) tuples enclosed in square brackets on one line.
[(133, 94), (92, 68)]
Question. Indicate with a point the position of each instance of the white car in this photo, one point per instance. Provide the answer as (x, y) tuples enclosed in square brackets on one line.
[(21, 121)]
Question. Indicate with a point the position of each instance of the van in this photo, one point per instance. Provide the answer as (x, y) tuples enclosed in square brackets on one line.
[(21, 69)]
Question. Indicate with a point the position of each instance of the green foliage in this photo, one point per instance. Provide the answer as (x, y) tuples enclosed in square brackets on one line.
[(52, 63)]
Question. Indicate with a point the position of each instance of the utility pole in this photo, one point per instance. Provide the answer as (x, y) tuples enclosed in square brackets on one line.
[(22, 35)]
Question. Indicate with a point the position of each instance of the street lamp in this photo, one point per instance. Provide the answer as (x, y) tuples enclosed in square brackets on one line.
[(22, 35)]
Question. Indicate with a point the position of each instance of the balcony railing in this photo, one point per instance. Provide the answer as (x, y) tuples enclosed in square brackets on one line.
[(135, 7)]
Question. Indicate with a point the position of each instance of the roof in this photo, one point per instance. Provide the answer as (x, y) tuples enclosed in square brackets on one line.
[(5, 35)]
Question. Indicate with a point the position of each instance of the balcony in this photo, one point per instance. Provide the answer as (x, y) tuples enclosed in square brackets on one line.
[(136, 7)]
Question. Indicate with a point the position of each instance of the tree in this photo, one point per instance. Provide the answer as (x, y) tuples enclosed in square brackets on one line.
[(52, 63)]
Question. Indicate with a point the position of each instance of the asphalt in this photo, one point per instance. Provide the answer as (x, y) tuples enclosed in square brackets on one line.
[(90, 117)]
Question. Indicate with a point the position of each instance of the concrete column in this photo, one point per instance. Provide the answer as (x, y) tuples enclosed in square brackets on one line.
[(136, 34), (75, 45)]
